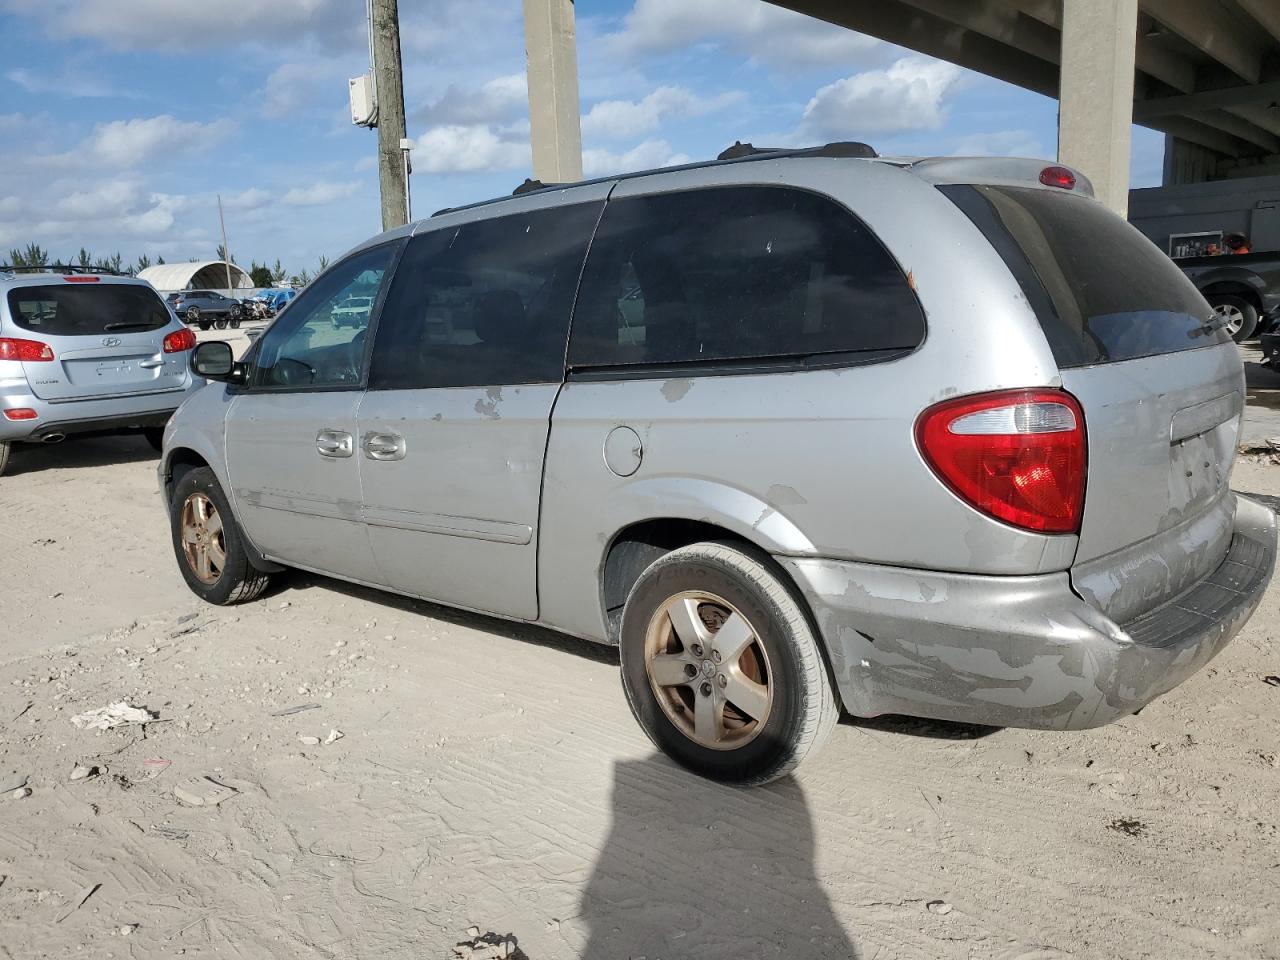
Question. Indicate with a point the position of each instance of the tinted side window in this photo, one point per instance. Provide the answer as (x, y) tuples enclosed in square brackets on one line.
[(485, 303), (315, 344), (739, 273)]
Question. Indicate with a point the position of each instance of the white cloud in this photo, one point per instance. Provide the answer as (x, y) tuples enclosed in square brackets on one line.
[(319, 194), (629, 118), (758, 30), (645, 156), (294, 87), (251, 199), (1001, 143), (498, 100), (69, 81), (906, 96), (458, 148), (139, 24), (127, 143)]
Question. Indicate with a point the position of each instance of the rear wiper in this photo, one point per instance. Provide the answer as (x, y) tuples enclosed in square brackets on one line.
[(127, 325)]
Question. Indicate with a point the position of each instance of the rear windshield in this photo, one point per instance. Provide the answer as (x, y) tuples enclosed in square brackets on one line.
[(69, 310), (1102, 291)]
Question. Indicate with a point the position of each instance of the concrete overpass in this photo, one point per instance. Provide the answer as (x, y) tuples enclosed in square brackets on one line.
[(1206, 72)]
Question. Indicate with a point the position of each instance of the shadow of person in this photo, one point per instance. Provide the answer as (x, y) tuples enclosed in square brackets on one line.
[(693, 868)]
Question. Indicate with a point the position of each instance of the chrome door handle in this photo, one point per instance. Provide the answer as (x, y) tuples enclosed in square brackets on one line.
[(150, 364), (383, 446), (335, 443)]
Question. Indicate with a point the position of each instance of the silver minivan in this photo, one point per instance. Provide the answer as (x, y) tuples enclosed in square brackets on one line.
[(85, 353), (798, 431)]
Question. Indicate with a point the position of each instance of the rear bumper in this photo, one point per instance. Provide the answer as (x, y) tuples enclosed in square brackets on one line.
[(1023, 651), (71, 417)]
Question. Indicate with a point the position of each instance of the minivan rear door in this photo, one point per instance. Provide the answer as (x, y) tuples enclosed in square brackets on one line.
[(1157, 375), (107, 339)]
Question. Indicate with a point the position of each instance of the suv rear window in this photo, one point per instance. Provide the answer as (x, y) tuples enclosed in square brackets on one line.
[(1102, 291), (70, 310), (739, 275)]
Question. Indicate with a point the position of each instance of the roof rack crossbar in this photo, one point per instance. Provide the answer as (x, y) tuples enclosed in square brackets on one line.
[(60, 268)]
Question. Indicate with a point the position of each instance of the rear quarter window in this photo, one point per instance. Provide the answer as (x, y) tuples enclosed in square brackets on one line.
[(68, 310), (1101, 290), (739, 275)]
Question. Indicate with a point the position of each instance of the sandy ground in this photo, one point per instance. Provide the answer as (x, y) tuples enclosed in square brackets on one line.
[(490, 776)]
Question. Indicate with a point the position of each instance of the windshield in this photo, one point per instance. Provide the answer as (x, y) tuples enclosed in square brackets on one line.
[(1102, 291), (68, 310)]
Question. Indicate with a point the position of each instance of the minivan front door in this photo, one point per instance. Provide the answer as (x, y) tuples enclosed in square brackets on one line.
[(291, 436), (466, 368)]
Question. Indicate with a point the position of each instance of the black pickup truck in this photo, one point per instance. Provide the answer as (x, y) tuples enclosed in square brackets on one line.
[(1243, 287)]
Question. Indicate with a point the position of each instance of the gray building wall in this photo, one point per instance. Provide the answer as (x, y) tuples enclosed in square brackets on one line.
[(1250, 206)]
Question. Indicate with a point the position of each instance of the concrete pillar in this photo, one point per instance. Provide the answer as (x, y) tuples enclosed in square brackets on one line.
[(1095, 94), (550, 41)]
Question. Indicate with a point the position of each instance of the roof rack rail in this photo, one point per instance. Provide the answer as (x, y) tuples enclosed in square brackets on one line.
[(60, 268), (840, 148)]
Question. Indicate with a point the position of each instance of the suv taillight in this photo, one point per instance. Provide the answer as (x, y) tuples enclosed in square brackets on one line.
[(180, 340), (1016, 455), (28, 351)]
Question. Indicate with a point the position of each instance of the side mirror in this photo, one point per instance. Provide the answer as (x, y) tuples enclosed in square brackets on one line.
[(213, 360)]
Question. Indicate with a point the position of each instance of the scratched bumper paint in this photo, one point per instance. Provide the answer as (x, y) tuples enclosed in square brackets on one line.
[(1023, 651)]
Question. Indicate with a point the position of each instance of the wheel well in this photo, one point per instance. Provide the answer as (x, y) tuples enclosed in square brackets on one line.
[(637, 546), (1235, 289), (181, 462)]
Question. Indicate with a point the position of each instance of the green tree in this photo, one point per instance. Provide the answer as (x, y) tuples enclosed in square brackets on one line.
[(278, 272), (259, 274), (222, 253), (159, 260), (301, 278), (84, 259), (33, 256), (324, 264), (143, 262)]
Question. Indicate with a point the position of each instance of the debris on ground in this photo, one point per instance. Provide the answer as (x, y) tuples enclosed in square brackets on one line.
[(203, 792), (21, 793), (154, 766), (113, 715), (290, 711), (488, 946), (334, 736), (83, 771), (1272, 681), (1130, 828), (940, 907), (12, 780), (309, 741), (79, 900)]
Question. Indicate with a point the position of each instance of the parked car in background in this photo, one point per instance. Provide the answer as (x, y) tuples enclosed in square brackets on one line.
[(351, 312), (207, 308), (1243, 289), (84, 354), (275, 299), (797, 431)]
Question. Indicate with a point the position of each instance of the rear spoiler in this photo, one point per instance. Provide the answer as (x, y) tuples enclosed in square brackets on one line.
[(1005, 171)]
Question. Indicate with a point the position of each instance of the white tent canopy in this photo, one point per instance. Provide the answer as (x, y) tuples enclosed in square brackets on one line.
[(195, 275)]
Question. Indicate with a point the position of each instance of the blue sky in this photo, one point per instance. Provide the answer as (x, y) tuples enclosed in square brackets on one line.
[(120, 120)]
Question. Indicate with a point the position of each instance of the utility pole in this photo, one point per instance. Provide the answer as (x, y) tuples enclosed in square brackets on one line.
[(226, 251), (389, 84)]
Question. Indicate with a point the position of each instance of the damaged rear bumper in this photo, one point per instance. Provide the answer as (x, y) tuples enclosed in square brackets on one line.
[(1023, 651)]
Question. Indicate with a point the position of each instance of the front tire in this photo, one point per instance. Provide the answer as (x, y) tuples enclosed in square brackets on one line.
[(721, 666), (220, 324), (208, 544), (1241, 315)]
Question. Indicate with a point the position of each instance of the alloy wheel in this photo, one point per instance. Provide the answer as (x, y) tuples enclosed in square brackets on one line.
[(709, 670), (203, 541), (1232, 314)]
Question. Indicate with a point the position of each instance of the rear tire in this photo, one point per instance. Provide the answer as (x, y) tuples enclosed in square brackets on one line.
[(1240, 314), (193, 315), (220, 324), (208, 544), (721, 666), (6, 449)]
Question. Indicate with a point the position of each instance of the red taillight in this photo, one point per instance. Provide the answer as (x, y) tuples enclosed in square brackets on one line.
[(80, 279), (28, 351), (1058, 177), (20, 413), (180, 340), (1017, 455)]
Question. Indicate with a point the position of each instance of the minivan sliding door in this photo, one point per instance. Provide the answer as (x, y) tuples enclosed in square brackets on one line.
[(467, 362)]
